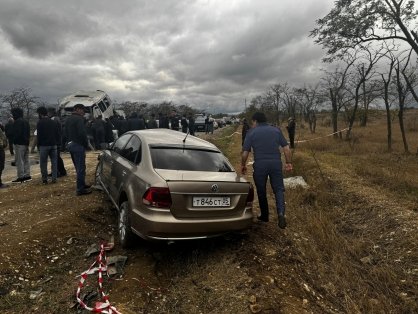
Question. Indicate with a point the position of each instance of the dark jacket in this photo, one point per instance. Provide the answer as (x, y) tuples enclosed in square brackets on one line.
[(59, 129), (21, 132), (152, 124), (8, 129), (164, 122), (75, 130), (174, 123), (136, 124), (47, 132)]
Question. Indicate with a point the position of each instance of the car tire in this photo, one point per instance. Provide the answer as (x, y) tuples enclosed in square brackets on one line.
[(124, 226)]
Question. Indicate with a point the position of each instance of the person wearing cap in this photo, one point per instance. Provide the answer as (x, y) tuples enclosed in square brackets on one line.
[(291, 130), (265, 142), (77, 144)]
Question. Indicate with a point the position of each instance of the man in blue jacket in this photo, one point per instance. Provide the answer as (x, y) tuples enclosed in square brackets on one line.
[(265, 142)]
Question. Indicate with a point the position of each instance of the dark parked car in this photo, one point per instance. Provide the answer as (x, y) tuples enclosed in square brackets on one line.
[(169, 187)]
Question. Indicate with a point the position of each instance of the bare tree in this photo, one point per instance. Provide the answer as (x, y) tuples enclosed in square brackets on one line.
[(276, 91), (21, 98), (355, 22), (363, 72), (309, 101), (334, 84), (403, 92), (386, 79)]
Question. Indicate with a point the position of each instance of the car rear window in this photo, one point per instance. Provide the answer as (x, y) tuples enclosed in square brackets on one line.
[(188, 159)]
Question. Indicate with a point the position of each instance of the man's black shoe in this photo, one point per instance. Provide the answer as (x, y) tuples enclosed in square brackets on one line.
[(61, 175), (282, 222), (44, 181), (18, 180), (87, 186), (261, 218), (25, 179), (83, 192)]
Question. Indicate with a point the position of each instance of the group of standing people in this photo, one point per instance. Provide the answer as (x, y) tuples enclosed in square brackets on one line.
[(265, 141), (48, 137), (173, 121), (209, 124)]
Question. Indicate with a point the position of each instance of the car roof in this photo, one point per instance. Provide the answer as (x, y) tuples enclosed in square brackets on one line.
[(162, 137), (87, 98)]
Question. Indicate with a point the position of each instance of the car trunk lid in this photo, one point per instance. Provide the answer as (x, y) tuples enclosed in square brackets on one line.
[(201, 195)]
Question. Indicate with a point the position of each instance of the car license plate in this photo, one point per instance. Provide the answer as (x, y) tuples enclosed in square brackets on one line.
[(212, 201)]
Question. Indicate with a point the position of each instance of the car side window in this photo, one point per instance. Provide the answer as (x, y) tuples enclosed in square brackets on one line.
[(121, 143), (132, 150)]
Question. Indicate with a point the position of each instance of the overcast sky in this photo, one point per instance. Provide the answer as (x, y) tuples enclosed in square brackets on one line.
[(210, 54)]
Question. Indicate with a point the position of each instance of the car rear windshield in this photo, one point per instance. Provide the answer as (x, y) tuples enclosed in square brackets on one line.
[(188, 159)]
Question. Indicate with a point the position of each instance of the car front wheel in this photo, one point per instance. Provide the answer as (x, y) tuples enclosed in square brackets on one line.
[(124, 226)]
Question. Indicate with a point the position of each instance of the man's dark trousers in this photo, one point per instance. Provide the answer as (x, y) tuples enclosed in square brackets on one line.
[(262, 170), (78, 155)]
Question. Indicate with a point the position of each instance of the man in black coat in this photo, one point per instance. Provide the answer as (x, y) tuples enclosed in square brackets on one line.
[(21, 138), (174, 120), (184, 124), (291, 130), (8, 129), (60, 163), (163, 122), (47, 133), (75, 130), (191, 125)]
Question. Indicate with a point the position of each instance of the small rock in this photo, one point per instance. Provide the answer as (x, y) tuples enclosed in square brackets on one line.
[(255, 308), (270, 279), (305, 303), (252, 299), (35, 294), (367, 259)]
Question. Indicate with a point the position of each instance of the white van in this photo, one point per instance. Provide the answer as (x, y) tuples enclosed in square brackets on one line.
[(96, 103)]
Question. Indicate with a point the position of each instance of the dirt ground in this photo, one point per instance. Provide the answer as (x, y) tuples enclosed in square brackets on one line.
[(46, 231)]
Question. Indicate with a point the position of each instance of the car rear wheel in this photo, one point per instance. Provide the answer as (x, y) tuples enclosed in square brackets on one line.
[(124, 226)]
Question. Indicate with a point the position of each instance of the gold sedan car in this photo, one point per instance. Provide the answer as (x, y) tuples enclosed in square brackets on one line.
[(169, 186)]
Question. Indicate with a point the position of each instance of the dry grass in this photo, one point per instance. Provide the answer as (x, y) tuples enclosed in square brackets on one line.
[(360, 221), (353, 233)]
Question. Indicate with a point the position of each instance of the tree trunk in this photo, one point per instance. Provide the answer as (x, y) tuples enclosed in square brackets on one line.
[(334, 113), (363, 121), (389, 125), (353, 115), (402, 127)]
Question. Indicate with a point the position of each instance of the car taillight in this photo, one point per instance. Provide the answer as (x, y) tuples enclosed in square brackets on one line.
[(250, 197), (157, 197)]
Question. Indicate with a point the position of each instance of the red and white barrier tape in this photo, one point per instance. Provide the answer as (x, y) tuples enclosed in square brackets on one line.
[(101, 307)]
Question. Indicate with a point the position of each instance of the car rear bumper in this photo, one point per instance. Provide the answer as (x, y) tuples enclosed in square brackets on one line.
[(161, 225)]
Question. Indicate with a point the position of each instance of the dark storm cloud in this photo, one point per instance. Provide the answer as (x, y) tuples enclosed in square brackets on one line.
[(204, 53)]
